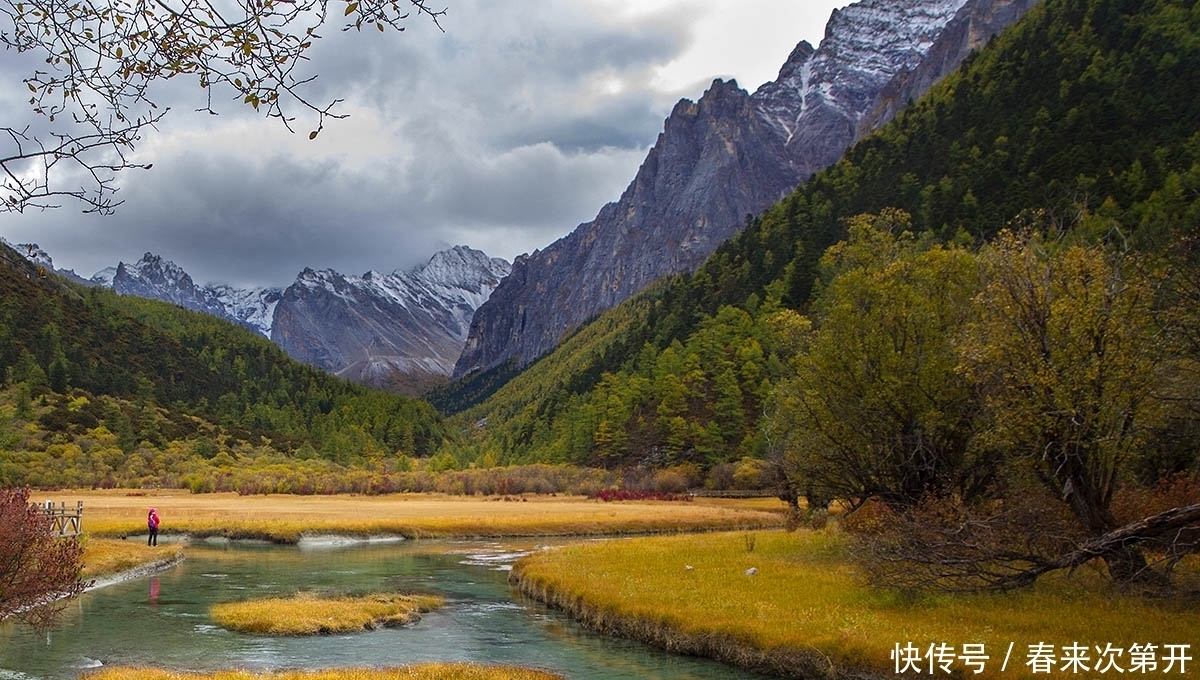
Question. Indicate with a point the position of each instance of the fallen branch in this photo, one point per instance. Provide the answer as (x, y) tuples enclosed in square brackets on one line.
[(945, 546)]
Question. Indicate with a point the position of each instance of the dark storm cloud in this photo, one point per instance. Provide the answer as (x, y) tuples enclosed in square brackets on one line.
[(503, 132), (267, 219)]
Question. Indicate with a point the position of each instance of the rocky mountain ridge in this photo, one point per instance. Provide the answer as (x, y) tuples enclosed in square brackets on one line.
[(401, 331), (725, 157)]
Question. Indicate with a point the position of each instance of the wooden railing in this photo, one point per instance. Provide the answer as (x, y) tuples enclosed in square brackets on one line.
[(64, 521)]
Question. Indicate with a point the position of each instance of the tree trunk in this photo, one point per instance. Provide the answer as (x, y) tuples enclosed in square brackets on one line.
[(1127, 564), (1121, 548)]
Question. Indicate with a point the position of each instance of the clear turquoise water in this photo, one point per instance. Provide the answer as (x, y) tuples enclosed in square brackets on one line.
[(162, 620)]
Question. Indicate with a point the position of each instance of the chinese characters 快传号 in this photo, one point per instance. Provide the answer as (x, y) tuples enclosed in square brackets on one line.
[(1042, 657)]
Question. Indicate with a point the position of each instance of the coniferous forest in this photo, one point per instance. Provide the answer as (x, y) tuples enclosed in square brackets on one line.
[(106, 390)]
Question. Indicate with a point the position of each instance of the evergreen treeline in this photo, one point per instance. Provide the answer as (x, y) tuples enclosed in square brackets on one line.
[(1081, 118), (124, 375)]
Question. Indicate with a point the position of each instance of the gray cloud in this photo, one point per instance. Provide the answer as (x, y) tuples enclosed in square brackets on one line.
[(503, 132)]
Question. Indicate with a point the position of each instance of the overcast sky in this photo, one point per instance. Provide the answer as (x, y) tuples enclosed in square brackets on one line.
[(503, 132)]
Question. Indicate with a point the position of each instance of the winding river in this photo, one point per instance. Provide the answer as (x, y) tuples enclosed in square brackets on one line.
[(162, 620)]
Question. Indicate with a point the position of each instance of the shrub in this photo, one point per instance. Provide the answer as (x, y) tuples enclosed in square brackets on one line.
[(610, 495)]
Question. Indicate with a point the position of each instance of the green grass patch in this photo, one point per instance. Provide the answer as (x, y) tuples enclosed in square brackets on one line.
[(804, 611), (311, 614)]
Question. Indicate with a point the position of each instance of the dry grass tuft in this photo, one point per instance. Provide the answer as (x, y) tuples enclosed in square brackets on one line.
[(310, 614)]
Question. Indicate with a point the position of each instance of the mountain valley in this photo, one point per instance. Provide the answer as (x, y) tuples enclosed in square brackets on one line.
[(718, 161)]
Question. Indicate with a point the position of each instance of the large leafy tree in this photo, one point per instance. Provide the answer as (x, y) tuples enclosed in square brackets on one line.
[(1069, 353), (876, 409), (994, 402), (99, 60)]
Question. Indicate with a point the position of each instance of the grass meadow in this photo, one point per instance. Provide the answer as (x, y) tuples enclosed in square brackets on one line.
[(312, 614), (285, 519), (105, 557), (791, 604)]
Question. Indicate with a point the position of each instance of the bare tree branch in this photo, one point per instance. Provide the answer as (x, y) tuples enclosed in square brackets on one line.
[(101, 58)]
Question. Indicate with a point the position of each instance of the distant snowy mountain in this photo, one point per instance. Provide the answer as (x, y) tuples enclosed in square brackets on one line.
[(34, 253), (159, 279), (401, 331), (251, 307)]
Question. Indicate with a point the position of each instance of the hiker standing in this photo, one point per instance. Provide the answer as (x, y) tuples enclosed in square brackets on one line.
[(152, 522)]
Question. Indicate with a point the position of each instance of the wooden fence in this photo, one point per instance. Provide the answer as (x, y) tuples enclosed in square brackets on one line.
[(64, 521)]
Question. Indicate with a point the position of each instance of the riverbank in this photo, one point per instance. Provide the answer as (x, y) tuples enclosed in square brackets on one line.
[(107, 561), (432, 671), (791, 605)]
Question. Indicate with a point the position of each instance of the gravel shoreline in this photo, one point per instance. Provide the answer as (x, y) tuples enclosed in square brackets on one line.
[(147, 569)]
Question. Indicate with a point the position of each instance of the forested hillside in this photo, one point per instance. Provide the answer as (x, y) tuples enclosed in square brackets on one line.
[(102, 389), (1080, 124)]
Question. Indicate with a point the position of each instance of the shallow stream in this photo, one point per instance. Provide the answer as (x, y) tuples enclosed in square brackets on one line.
[(162, 620)]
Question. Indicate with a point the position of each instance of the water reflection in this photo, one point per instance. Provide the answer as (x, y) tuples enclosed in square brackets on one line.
[(162, 620)]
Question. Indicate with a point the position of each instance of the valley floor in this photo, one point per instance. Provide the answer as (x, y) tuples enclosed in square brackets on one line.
[(726, 583), (288, 519)]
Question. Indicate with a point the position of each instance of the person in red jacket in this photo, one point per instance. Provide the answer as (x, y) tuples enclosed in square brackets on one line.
[(152, 522)]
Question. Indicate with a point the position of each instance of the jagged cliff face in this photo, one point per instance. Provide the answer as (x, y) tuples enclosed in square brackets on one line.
[(726, 156), (691, 193), (402, 331), (866, 46), (970, 29)]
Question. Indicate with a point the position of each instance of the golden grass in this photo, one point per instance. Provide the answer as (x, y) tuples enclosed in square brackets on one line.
[(429, 671), (310, 614), (804, 609), (109, 556), (286, 518)]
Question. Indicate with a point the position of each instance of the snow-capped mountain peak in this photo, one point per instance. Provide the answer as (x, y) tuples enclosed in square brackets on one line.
[(32, 252), (153, 270), (158, 278), (463, 267), (401, 330)]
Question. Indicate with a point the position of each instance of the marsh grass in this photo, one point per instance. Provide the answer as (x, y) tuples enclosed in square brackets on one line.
[(312, 614), (430, 671), (285, 519), (804, 611), (103, 557)]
